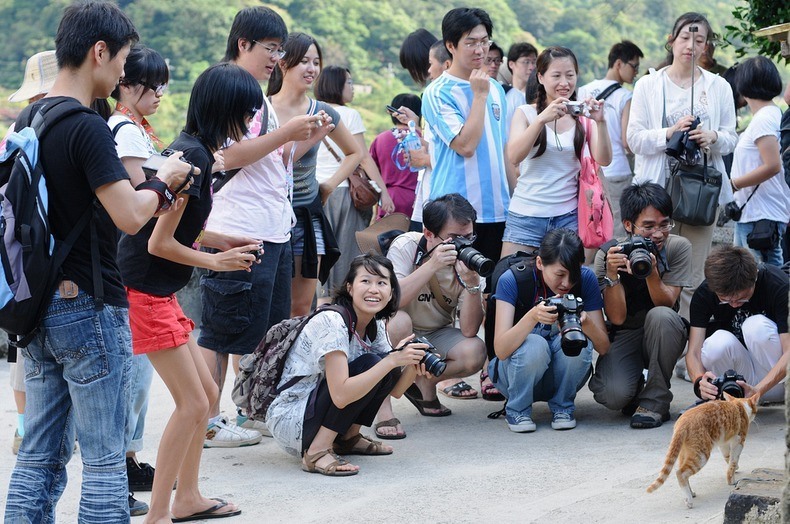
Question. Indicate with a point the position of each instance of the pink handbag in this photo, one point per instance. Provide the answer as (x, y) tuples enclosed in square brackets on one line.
[(596, 225)]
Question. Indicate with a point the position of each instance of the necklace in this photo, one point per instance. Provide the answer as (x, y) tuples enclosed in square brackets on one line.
[(144, 124)]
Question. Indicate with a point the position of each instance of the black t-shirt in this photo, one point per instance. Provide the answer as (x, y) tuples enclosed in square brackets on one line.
[(155, 275), (78, 156), (769, 299)]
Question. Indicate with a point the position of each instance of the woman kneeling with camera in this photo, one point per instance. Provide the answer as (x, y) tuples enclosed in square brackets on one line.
[(544, 335), (347, 369)]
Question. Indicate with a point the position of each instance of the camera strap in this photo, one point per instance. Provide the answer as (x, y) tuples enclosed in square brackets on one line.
[(421, 256)]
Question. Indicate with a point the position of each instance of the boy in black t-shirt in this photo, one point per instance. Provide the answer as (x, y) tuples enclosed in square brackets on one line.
[(77, 366), (739, 322)]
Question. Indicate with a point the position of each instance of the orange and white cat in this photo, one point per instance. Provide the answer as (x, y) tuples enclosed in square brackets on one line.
[(723, 423)]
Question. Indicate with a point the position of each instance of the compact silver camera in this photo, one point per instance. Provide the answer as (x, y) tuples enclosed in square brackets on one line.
[(576, 108)]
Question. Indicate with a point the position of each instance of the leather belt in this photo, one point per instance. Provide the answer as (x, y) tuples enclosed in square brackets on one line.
[(68, 289)]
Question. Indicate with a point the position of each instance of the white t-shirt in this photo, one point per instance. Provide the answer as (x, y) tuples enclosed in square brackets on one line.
[(324, 333), (613, 110), (772, 199), (515, 98), (256, 202), (422, 193), (131, 139), (678, 102), (326, 165), (547, 185)]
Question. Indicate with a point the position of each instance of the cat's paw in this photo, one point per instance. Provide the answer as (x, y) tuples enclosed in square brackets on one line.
[(689, 503)]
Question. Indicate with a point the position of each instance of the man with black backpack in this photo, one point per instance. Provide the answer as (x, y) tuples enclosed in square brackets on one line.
[(641, 278), (78, 359)]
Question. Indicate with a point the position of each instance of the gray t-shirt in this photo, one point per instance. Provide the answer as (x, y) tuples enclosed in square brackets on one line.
[(305, 182)]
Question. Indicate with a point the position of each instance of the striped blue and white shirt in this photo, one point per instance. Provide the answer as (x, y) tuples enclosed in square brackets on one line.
[(481, 179)]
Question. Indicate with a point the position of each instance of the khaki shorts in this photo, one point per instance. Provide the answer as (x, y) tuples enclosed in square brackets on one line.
[(444, 339)]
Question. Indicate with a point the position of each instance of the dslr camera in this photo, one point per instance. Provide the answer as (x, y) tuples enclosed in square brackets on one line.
[(569, 307), (473, 258), (727, 383), (638, 249), (434, 364), (681, 147), (730, 211), (576, 108)]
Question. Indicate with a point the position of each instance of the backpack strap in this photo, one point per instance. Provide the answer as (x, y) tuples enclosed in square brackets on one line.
[(223, 177), (119, 125), (608, 91)]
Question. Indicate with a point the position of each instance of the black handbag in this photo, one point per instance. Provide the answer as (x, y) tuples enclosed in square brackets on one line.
[(695, 193), (764, 236)]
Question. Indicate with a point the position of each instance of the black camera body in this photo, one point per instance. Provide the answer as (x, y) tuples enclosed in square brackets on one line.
[(638, 249), (730, 211), (681, 147), (473, 258), (434, 364), (569, 308), (727, 383)]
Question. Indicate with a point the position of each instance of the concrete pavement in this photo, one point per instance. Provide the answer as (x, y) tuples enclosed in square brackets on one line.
[(462, 468)]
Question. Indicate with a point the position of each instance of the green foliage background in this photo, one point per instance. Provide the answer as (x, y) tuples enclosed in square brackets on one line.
[(364, 35)]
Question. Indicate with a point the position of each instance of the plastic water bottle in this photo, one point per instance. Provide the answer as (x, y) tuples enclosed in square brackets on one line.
[(412, 142)]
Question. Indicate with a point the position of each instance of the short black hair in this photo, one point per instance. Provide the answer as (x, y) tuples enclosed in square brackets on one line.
[(409, 100), (624, 51), (518, 50), (638, 197), (759, 79), (414, 54), (440, 52), (452, 206), (295, 48), (375, 264), (461, 20), (330, 84), (564, 246), (222, 97), (496, 48), (254, 23), (84, 24), (145, 67)]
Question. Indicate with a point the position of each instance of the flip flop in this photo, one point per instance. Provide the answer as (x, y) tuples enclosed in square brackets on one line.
[(456, 390), (390, 423), (210, 513), (414, 395)]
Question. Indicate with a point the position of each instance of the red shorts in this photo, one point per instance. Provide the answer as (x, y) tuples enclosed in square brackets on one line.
[(157, 322)]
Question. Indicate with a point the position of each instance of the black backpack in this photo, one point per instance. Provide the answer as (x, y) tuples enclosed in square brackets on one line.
[(31, 256), (521, 264)]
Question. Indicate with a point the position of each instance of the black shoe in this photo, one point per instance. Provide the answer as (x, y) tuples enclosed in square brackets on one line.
[(137, 507), (140, 474)]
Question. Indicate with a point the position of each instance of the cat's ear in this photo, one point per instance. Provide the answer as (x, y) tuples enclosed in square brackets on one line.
[(726, 396), (754, 400)]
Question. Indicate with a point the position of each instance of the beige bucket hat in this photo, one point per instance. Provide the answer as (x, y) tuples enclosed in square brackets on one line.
[(40, 73)]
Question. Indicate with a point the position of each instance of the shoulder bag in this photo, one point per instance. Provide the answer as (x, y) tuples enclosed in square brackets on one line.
[(363, 194)]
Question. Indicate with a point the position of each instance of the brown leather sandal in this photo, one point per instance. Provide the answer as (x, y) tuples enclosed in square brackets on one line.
[(349, 447), (330, 470)]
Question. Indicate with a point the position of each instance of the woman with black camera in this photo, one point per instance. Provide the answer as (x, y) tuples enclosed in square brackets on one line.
[(344, 369), (661, 108), (535, 338), (761, 194), (158, 261), (546, 142)]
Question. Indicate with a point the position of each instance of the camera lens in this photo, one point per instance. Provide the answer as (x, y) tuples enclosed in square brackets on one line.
[(476, 261), (433, 364), (573, 339), (641, 263)]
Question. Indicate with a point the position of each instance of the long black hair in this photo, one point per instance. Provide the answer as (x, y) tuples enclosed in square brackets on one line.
[(374, 264), (295, 48), (564, 246)]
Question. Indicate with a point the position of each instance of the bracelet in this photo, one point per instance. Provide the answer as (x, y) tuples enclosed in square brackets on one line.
[(166, 197), (471, 290), (733, 186), (696, 387)]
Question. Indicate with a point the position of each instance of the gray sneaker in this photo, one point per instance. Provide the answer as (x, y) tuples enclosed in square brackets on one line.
[(563, 421), (520, 423), (243, 421), (137, 507)]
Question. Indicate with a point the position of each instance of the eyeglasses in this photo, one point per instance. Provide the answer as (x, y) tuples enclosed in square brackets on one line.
[(664, 228), (635, 67), (527, 61), (158, 90), (489, 61), (276, 52), (732, 301), (480, 44), (471, 237)]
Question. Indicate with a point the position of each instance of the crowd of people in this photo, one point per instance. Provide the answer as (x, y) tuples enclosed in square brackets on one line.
[(262, 204)]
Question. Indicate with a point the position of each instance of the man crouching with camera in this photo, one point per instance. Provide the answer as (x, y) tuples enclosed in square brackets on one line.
[(439, 276), (641, 278), (739, 322)]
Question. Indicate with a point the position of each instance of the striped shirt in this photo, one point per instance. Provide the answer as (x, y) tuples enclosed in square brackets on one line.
[(481, 178)]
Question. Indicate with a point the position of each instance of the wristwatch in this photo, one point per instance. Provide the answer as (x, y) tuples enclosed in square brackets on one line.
[(473, 290), (610, 282)]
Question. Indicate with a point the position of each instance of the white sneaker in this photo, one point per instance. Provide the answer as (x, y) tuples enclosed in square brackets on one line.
[(244, 421), (221, 434)]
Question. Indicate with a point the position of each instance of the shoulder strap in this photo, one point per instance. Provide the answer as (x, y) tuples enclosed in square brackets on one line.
[(525, 283), (331, 150), (119, 125), (609, 90), (51, 113), (337, 308), (438, 295)]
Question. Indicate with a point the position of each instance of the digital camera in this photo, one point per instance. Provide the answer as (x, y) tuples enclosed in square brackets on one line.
[(638, 249), (727, 383), (257, 252), (681, 147), (730, 211), (473, 258), (569, 308), (434, 364), (576, 108)]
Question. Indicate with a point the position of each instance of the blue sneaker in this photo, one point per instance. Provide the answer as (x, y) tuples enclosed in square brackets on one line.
[(563, 421), (520, 423)]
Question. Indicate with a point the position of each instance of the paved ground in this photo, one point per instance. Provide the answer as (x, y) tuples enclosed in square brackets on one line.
[(463, 468)]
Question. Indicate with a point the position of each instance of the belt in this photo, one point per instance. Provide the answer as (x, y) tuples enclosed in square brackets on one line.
[(68, 289)]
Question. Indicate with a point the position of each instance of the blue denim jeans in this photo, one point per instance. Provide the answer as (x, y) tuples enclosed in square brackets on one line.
[(77, 381), (529, 231), (142, 373), (772, 256), (539, 371)]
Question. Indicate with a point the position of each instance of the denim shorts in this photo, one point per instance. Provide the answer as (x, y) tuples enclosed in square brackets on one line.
[(297, 237), (529, 231)]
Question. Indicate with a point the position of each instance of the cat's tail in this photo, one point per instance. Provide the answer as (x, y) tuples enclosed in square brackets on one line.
[(669, 462)]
